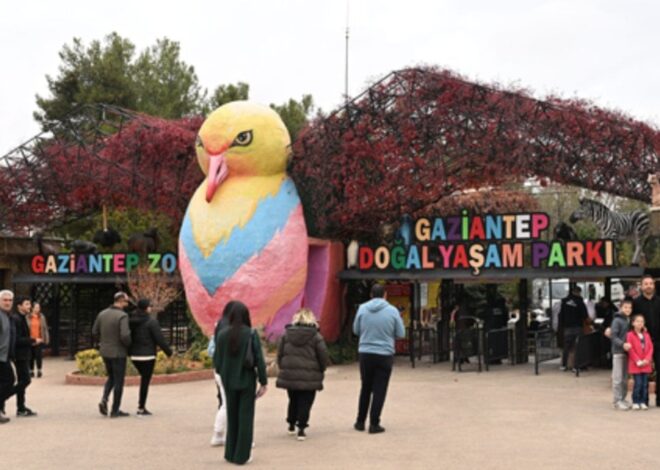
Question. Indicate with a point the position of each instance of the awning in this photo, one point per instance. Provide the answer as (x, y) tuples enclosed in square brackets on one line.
[(493, 275), (68, 279)]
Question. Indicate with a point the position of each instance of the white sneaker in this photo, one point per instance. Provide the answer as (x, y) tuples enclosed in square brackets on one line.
[(644, 406), (627, 403), (217, 441), (636, 407), (621, 405)]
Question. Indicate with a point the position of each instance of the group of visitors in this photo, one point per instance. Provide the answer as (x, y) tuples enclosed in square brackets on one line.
[(23, 334), (302, 358), (636, 348), (120, 336)]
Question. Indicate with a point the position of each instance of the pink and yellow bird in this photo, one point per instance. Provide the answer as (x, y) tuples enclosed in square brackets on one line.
[(243, 236)]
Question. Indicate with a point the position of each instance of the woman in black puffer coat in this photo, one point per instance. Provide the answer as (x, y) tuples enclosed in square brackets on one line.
[(302, 357), (145, 336)]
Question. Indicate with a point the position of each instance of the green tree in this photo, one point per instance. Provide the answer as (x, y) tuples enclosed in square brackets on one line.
[(295, 114), (158, 82), (165, 85), (226, 93)]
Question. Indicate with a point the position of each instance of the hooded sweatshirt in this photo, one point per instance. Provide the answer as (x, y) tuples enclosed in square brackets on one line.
[(378, 324), (619, 328)]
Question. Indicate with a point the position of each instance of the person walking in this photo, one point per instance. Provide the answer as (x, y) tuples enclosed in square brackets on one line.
[(620, 348), (648, 305), (22, 355), (302, 357), (237, 354), (40, 337), (572, 315), (112, 328), (378, 324), (145, 336), (7, 346), (220, 423), (640, 356)]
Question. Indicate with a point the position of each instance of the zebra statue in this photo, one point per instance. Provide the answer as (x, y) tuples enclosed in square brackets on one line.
[(614, 225)]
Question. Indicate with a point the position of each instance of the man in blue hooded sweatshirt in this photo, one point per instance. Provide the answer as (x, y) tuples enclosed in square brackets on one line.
[(378, 324)]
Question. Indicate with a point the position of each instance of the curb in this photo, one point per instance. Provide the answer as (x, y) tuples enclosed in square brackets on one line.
[(74, 378)]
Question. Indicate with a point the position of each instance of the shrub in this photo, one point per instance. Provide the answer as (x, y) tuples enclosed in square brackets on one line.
[(90, 362), (343, 351)]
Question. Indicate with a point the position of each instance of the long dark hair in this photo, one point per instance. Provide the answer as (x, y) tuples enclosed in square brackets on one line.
[(239, 316)]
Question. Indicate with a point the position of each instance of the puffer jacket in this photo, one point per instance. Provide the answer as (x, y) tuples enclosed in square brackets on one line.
[(302, 357)]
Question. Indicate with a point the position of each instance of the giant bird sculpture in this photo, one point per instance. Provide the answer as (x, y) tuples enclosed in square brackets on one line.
[(243, 236)]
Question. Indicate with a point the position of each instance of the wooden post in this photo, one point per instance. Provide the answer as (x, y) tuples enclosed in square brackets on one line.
[(522, 355)]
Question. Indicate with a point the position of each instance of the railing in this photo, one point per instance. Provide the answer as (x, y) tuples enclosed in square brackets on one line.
[(467, 343), (586, 347), (545, 347), (496, 345)]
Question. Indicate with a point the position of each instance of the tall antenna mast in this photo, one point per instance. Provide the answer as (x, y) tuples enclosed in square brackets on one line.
[(346, 63)]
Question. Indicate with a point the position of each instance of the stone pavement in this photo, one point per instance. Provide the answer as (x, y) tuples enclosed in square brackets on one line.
[(504, 419)]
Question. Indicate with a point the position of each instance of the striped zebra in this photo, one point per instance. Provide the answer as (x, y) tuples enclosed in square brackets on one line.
[(614, 225)]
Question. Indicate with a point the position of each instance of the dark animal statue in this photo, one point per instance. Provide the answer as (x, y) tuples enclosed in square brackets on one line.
[(107, 238), (81, 247), (43, 247), (564, 232), (146, 242)]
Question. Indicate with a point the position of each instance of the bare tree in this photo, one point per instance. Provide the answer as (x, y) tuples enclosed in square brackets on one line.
[(160, 288)]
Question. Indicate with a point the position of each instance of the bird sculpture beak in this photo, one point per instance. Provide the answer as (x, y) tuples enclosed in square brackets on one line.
[(217, 174)]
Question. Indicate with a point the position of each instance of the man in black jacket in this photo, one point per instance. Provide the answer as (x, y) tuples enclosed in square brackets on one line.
[(22, 355), (572, 315), (648, 305), (7, 345)]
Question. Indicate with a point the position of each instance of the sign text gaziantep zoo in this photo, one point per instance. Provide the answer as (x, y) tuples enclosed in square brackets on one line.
[(476, 242), (102, 263)]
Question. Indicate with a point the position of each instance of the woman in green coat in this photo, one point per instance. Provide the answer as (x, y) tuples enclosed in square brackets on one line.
[(239, 379)]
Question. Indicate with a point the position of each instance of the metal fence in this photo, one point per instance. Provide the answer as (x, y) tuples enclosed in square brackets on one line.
[(496, 345), (467, 343), (545, 347)]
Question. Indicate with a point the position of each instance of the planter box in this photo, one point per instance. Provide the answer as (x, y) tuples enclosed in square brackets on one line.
[(75, 378)]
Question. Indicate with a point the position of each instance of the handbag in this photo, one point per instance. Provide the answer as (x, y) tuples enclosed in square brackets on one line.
[(248, 362)]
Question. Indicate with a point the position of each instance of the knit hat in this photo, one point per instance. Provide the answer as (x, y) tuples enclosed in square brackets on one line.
[(143, 304)]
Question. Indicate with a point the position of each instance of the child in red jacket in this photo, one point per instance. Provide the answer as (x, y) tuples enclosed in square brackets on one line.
[(639, 362)]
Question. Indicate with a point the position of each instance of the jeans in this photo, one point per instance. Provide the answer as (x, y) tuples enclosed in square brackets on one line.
[(375, 372), (37, 356), (116, 368), (23, 380), (570, 335), (641, 389), (619, 377), (300, 405), (146, 370), (7, 380)]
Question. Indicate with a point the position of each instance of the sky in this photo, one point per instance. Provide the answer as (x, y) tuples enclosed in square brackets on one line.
[(604, 51)]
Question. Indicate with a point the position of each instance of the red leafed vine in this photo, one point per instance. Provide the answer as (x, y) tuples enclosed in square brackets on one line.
[(419, 135)]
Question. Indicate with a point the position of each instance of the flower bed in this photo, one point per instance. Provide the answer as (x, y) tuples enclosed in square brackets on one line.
[(188, 367)]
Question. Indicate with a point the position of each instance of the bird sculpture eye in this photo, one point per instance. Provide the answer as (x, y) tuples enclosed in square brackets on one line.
[(198, 142), (243, 139)]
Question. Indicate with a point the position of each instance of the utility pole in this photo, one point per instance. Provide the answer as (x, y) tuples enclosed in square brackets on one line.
[(346, 63)]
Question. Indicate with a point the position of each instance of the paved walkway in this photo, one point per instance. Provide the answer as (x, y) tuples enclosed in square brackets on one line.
[(504, 419)]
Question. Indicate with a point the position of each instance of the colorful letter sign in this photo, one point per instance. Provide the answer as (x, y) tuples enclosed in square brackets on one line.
[(493, 241)]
